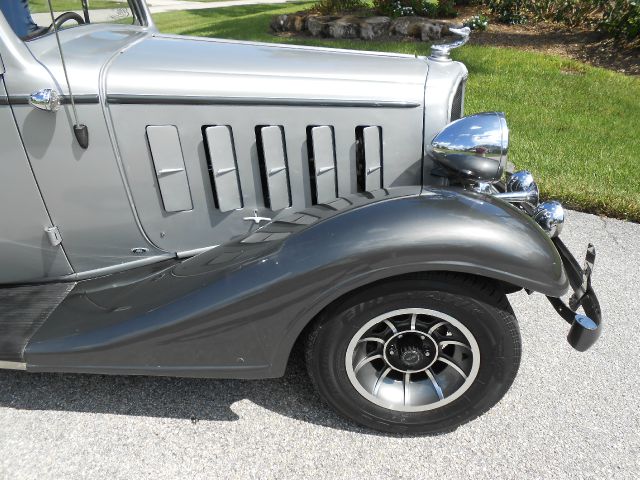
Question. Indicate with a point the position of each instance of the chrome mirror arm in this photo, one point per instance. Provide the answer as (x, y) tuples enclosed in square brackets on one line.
[(442, 51)]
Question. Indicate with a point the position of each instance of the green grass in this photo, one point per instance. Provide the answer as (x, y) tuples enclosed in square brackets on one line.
[(38, 6), (576, 127)]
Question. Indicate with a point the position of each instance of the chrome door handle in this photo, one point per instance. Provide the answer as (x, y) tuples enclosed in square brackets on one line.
[(46, 99)]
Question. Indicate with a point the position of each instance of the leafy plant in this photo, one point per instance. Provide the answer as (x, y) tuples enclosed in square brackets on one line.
[(327, 7), (621, 19), (404, 8), (446, 9), (477, 22), (512, 12)]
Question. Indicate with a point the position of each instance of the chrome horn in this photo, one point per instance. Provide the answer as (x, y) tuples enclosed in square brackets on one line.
[(441, 52), (550, 216), (521, 188)]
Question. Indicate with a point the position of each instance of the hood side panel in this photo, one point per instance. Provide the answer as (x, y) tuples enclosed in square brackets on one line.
[(180, 66), (194, 84)]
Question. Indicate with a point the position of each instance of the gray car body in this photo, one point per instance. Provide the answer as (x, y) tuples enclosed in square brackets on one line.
[(191, 83), (237, 308)]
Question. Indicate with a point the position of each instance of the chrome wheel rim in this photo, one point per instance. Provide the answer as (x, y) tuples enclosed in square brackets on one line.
[(412, 360)]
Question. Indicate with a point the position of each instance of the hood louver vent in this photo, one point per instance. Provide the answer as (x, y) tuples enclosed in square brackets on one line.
[(457, 104)]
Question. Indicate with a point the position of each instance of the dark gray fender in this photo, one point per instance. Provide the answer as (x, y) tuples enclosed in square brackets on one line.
[(236, 310)]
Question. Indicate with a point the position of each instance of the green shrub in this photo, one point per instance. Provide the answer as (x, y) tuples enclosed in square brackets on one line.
[(477, 22), (569, 12), (404, 8), (512, 12), (621, 19), (446, 9), (338, 6)]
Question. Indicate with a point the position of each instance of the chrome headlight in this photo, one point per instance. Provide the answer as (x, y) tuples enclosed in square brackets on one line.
[(474, 147)]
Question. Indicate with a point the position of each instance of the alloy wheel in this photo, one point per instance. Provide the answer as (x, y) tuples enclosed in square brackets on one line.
[(412, 360)]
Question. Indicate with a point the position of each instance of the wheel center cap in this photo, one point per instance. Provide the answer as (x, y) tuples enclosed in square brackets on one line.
[(410, 351), (411, 357)]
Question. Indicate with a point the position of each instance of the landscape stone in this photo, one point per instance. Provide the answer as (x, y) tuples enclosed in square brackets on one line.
[(366, 28), (430, 31), (345, 27), (374, 27), (318, 26)]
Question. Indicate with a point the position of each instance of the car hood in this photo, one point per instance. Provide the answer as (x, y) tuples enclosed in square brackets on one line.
[(177, 66)]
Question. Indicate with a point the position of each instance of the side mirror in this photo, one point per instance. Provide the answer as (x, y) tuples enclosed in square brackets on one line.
[(46, 99), (474, 147)]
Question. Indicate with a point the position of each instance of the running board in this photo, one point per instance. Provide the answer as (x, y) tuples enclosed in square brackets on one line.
[(23, 310), (4, 365)]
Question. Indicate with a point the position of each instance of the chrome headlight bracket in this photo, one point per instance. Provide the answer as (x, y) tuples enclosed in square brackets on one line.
[(523, 191)]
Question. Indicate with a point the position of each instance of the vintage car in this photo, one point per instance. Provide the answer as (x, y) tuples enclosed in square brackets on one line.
[(196, 207)]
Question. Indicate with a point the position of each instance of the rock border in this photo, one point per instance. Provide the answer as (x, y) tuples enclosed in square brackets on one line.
[(365, 28)]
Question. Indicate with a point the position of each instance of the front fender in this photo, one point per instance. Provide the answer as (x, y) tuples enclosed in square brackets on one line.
[(440, 229), (236, 310)]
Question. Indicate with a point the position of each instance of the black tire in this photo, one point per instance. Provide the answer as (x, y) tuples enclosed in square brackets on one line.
[(478, 304)]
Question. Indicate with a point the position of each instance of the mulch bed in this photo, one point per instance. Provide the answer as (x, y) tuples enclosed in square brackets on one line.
[(590, 47), (594, 48)]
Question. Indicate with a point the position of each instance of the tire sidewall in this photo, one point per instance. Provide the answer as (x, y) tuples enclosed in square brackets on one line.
[(497, 341)]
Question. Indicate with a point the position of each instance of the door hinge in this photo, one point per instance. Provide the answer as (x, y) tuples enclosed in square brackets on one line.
[(53, 233)]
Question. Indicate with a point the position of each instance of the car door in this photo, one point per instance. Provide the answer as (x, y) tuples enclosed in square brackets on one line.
[(29, 247), (84, 189)]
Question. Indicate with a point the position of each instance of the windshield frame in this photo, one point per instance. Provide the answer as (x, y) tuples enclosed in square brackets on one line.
[(15, 54), (139, 11)]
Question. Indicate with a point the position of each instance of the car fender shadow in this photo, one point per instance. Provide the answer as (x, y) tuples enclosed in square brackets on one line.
[(191, 399)]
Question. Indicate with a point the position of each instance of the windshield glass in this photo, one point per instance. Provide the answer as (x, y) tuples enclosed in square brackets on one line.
[(31, 18)]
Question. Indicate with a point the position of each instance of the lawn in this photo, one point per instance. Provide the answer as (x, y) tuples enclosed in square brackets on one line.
[(38, 6), (576, 127)]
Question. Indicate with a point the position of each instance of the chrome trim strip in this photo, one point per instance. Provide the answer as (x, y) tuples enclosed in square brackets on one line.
[(194, 252), (133, 99), (64, 99), (101, 272), (5, 365), (102, 85)]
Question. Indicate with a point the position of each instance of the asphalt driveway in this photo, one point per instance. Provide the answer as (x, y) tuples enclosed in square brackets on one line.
[(568, 415)]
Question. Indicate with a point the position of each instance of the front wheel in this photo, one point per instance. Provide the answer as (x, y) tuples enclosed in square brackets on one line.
[(418, 355)]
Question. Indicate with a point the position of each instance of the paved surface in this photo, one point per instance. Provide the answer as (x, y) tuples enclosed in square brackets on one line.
[(155, 6), (568, 415)]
